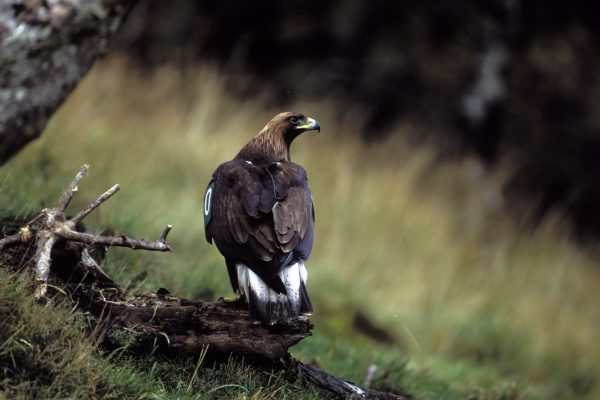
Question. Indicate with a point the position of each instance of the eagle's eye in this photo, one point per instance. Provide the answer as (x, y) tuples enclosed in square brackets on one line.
[(294, 120)]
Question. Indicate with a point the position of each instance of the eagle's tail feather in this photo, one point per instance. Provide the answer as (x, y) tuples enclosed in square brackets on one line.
[(251, 299), (306, 307), (265, 304)]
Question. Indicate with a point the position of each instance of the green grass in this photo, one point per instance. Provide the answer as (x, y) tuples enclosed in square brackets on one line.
[(477, 304)]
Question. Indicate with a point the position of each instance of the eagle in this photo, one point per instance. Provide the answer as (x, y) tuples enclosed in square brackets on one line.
[(259, 212)]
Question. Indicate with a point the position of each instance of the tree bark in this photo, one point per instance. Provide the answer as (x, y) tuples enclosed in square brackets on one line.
[(46, 47), (171, 323)]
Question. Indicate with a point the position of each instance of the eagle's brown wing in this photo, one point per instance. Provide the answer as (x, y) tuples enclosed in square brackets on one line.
[(261, 216)]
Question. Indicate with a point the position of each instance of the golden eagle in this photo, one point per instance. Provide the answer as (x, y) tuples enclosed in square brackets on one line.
[(258, 210)]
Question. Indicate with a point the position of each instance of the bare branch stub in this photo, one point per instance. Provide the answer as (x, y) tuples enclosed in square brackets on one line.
[(163, 236), (9, 241), (66, 197), (101, 199)]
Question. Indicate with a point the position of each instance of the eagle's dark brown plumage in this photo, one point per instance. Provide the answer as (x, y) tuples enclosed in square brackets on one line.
[(258, 210)]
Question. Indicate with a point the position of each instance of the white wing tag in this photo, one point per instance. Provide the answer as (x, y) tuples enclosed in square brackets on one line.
[(208, 196)]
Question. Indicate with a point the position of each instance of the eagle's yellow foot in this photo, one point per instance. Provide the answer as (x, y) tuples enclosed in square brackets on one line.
[(232, 300)]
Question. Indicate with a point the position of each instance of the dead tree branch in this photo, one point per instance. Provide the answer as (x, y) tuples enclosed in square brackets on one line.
[(119, 241), (52, 225), (338, 388), (67, 195), (11, 240), (86, 211)]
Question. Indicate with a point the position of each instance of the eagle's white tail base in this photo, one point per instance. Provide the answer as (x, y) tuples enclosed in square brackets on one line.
[(265, 303)]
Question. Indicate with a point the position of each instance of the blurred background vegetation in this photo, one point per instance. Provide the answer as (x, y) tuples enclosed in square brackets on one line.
[(455, 179)]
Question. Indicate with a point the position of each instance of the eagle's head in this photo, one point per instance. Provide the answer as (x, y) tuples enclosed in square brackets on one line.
[(273, 142), (291, 124)]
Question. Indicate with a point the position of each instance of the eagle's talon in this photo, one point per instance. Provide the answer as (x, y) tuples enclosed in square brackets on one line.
[(232, 300)]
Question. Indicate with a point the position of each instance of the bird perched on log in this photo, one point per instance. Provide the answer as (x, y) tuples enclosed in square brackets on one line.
[(258, 210)]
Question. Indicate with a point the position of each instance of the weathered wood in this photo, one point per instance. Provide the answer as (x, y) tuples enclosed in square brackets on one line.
[(176, 324), (10, 240), (46, 47), (333, 386)]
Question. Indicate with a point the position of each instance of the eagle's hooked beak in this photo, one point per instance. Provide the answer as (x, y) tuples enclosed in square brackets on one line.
[(311, 125)]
